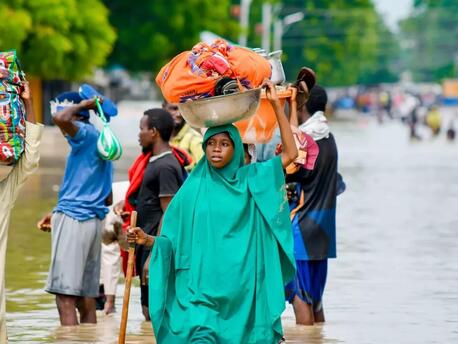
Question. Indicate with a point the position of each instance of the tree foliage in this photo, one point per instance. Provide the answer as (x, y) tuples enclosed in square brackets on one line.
[(430, 37), (345, 41), (152, 32), (57, 39)]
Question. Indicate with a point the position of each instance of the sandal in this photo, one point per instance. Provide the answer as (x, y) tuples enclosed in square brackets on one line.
[(308, 76)]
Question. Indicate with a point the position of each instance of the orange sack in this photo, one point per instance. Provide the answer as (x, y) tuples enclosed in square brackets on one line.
[(260, 127), (194, 74)]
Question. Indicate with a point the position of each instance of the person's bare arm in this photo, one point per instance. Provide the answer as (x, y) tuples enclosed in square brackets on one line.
[(165, 201), (65, 119), (109, 199), (28, 162), (26, 96), (289, 151), (293, 120)]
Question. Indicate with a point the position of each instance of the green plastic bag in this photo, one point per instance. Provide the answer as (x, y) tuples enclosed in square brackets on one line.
[(108, 145)]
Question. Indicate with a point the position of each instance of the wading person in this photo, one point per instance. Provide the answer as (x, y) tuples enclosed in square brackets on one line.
[(162, 178), (10, 186), (314, 225), (77, 220), (113, 240), (225, 251), (136, 174)]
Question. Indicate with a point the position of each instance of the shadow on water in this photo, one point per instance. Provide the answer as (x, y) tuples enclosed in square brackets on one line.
[(394, 281)]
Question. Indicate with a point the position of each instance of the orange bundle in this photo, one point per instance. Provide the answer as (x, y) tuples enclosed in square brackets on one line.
[(260, 127), (194, 74)]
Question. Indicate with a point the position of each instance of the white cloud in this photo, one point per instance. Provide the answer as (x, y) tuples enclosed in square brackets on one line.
[(393, 10)]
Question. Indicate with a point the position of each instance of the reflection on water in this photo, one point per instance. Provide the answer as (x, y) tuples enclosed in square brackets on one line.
[(395, 279)]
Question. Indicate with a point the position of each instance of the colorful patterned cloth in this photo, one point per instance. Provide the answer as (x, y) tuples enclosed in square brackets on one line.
[(12, 112)]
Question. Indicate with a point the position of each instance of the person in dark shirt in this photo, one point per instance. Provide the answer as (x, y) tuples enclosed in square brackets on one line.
[(161, 181), (314, 223)]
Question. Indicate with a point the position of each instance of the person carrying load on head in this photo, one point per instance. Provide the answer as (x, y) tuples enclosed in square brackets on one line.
[(10, 186), (313, 188), (219, 265)]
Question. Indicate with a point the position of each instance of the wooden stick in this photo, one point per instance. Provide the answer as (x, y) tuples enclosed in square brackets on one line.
[(130, 269)]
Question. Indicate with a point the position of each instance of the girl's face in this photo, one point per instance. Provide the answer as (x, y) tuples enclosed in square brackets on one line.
[(219, 150)]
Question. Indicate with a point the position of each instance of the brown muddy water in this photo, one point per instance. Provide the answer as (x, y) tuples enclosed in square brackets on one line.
[(395, 279)]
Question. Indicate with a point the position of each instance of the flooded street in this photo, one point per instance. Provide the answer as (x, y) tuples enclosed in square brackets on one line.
[(395, 279)]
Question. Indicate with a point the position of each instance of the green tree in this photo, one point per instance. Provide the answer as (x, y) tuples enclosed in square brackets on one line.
[(341, 40), (386, 67), (344, 41), (57, 39), (15, 23), (430, 38), (152, 32)]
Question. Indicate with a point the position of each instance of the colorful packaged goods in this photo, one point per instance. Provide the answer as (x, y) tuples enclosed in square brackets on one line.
[(12, 112)]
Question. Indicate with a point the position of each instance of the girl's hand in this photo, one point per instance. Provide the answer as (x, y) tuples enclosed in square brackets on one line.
[(293, 90), (136, 236), (26, 94), (271, 93)]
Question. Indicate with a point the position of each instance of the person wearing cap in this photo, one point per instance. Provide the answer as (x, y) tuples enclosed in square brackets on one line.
[(77, 220), (9, 189)]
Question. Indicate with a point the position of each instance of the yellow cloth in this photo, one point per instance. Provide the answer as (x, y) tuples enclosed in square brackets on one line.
[(433, 119), (9, 188), (191, 141)]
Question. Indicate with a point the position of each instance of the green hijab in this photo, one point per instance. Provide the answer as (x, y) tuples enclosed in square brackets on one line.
[(218, 270)]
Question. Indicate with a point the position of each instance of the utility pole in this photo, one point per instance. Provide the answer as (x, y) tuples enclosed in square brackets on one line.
[(281, 25), (266, 23), (278, 33), (244, 21)]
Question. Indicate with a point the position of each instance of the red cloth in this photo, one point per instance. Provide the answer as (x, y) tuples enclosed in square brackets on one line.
[(135, 175)]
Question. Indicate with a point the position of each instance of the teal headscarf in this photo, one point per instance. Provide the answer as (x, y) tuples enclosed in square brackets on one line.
[(218, 270)]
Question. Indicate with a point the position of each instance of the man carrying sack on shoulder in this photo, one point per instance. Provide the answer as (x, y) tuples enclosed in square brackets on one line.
[(9, 189)]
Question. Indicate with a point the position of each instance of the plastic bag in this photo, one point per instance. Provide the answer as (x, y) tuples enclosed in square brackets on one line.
[(108, 145), (12, 112), (260, 127)]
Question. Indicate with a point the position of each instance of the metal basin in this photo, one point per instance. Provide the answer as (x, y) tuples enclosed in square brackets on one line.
[(219, 110)]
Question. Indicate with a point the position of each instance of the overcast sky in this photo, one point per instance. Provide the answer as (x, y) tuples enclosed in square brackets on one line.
[(393, 10)]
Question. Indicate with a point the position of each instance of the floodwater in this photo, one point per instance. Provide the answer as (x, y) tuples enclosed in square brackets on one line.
[(395, 279)]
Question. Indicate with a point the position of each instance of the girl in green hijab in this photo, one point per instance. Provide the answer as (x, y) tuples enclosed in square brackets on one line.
[(218, 269)]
